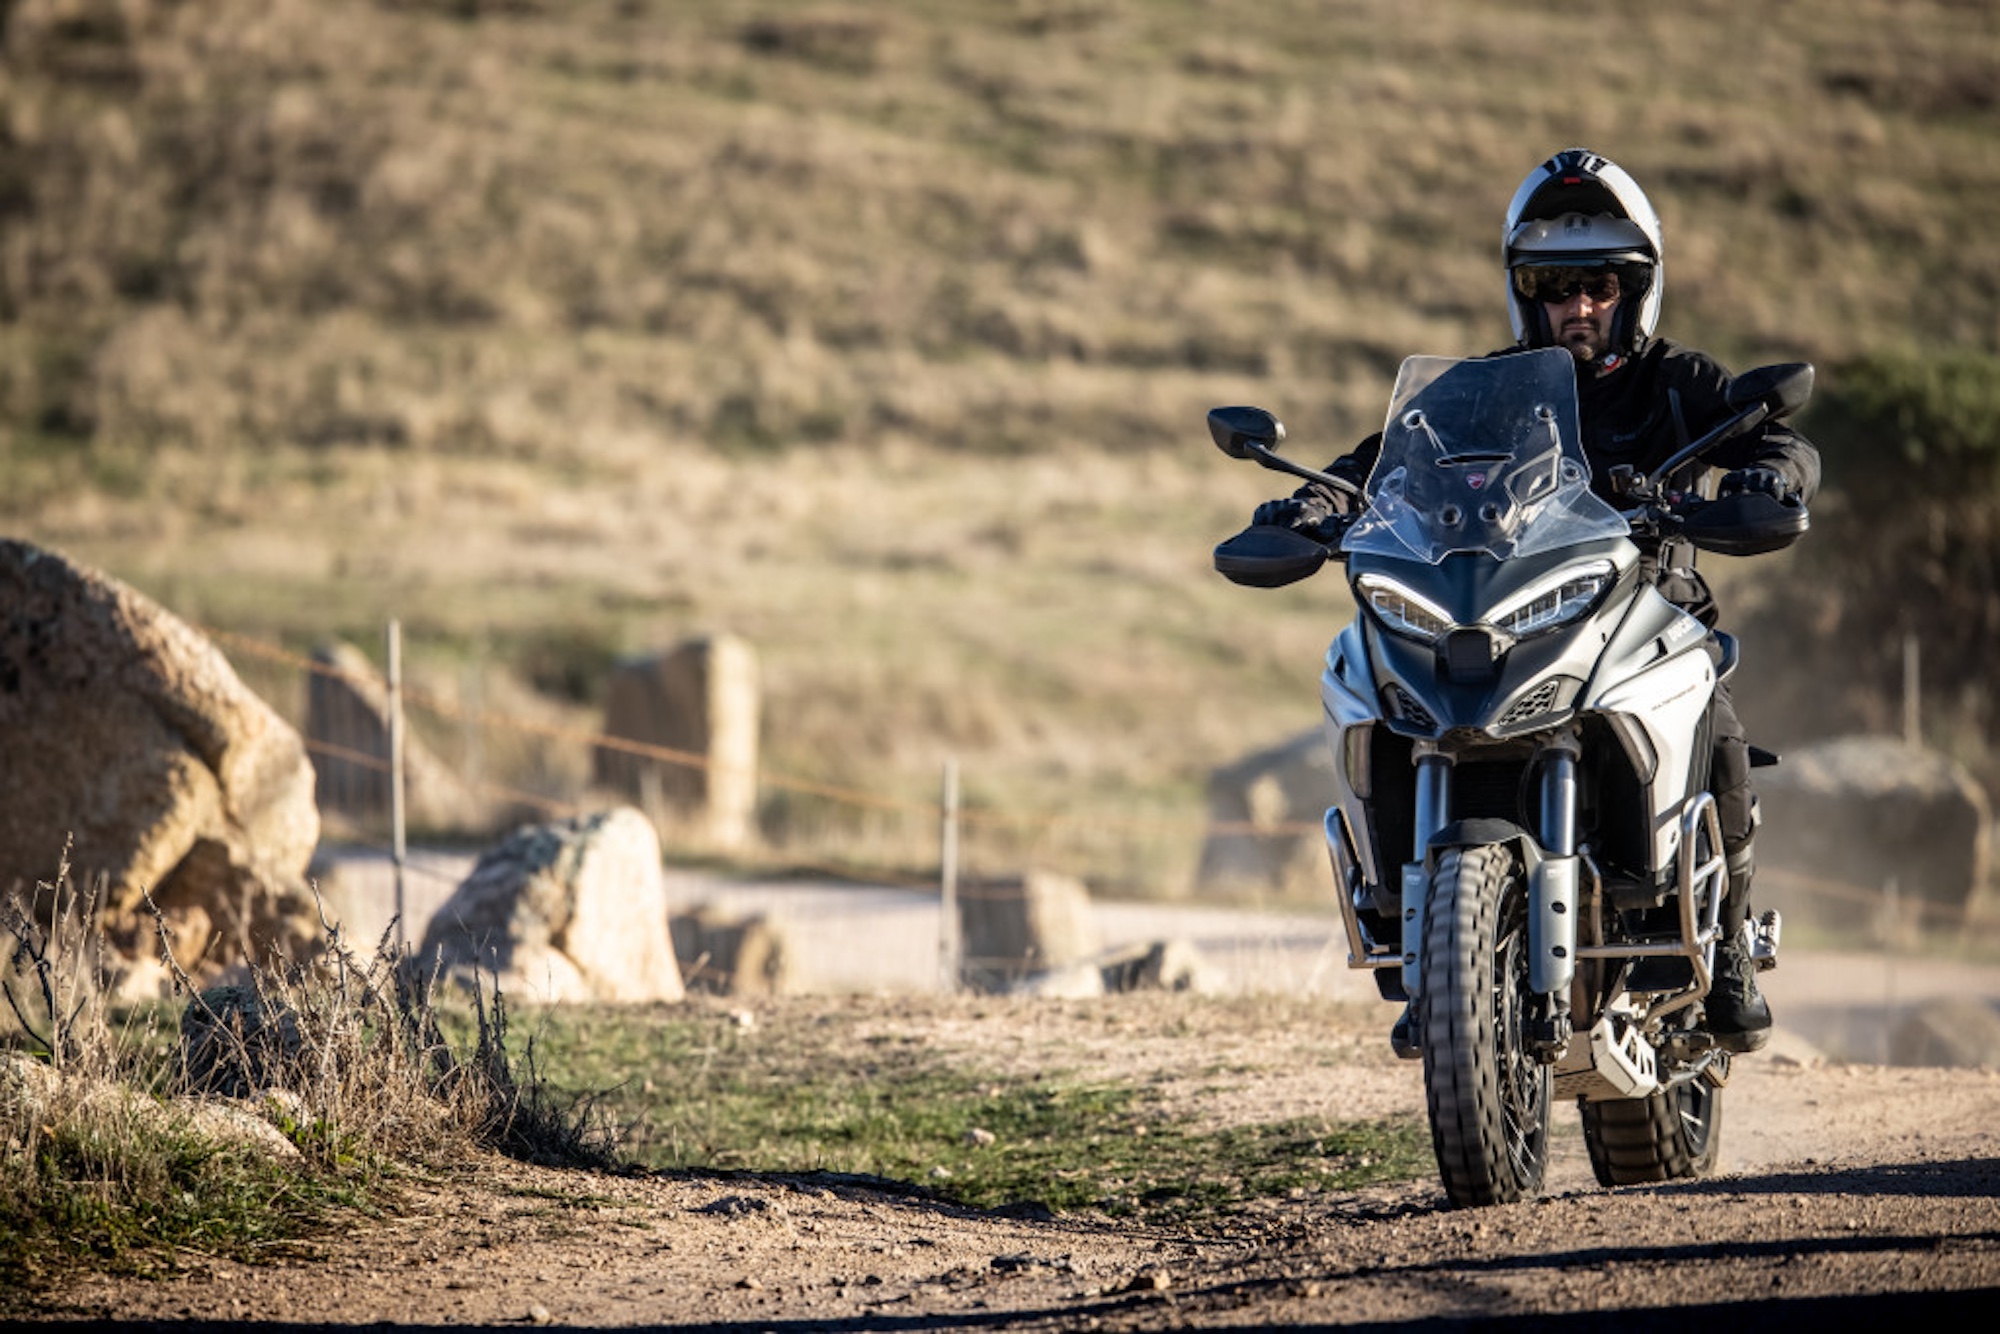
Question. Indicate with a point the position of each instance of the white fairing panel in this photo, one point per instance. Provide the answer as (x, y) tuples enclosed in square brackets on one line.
[(1667, 698)]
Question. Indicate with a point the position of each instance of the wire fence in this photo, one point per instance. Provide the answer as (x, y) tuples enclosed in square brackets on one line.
[(474, 767), (806, 824), (457, 767)]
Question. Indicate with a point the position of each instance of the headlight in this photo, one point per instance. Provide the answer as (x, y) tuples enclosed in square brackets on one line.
[(1401, 610), (1567, 595)]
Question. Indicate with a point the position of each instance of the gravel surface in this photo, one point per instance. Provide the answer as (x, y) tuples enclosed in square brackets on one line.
[(1875, 1189)]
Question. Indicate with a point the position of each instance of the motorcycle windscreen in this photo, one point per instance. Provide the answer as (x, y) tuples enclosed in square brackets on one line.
[(1482, 455)]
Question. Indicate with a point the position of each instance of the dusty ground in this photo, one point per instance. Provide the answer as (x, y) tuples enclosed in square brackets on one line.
[(1877, 1187)]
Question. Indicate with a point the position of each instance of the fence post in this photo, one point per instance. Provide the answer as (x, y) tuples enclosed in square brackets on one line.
[(396, 846), (948, 962), (1892, 924), (1913, 695)]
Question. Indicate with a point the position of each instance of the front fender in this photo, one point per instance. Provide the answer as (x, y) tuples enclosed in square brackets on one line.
[(1551, 895)]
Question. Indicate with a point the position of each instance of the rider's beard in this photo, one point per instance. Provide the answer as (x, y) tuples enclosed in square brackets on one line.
[(1582, 342)]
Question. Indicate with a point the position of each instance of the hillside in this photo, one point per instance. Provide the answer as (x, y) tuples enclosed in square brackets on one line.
[(877, 333)]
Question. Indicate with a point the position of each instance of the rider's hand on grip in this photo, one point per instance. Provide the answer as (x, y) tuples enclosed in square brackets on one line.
[(1309, 514), (1768, 481)]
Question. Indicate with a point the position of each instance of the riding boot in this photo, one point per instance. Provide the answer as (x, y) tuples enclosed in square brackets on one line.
[(1736, 1013)]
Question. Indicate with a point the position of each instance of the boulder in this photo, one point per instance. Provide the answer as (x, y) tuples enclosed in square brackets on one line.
[(699, 701), (347, 720), (1070, 981), (32, 1093), (1160, 965), (571, 910), (1010, 929), (730, 955), (1266, 813), (235, 1041), (1844, 819), (124, 730)]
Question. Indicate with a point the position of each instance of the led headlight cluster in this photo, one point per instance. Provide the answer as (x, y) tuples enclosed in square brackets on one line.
[(1401, 610), (1565, 597), (1548, 606)]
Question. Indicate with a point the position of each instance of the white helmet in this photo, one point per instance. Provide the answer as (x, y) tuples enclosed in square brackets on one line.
[(1579, 210)]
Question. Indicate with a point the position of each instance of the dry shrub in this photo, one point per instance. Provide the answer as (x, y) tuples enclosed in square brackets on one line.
[(55, 975), (303, 1089), (850, 43), (353, 1057)]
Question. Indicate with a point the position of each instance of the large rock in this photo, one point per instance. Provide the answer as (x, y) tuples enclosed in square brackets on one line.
[(574, 910), (35, 1094), (124, 729), (1010, 930), (698, 703), (236, 1041), (1844, 819), (1265, 817), (1158, 965), (347, 718), (729, 954)]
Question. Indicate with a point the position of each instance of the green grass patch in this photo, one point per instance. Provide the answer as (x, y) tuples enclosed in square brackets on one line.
[(127, 1199), (694, 1090)]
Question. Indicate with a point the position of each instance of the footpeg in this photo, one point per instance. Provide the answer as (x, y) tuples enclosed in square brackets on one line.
[(1403, 1037), (1764, 940)]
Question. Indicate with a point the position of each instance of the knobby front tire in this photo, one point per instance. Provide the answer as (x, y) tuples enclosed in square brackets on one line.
[(1488, 1097)]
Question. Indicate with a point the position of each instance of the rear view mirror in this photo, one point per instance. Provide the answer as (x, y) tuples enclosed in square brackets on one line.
[(1236, 430), (1782, 390)]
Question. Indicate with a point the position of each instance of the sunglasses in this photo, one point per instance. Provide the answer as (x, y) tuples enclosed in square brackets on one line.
[(1558, 286)]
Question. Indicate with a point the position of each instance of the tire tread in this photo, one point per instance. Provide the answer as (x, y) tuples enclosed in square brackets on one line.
[(1468, 1128)]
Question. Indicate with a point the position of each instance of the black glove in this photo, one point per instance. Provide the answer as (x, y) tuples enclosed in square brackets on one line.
[(1743, 481), (1308, 512)]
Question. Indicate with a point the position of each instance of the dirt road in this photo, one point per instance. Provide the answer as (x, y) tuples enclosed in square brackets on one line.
[(1874, 1189)]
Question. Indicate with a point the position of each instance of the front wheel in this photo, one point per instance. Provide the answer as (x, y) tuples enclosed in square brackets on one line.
[(1487, 1094), (1672, 1136)]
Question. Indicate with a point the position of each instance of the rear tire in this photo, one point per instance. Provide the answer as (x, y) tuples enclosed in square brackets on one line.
[(1674, 1135), (1487, 1094)]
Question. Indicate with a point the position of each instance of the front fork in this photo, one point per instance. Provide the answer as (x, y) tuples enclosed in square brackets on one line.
[(1552, 878), (1552, 900), (1433, 813)]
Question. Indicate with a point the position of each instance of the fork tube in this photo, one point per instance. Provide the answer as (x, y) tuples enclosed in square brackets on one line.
[(1559, 803), (1552, 963), (1433, 813)]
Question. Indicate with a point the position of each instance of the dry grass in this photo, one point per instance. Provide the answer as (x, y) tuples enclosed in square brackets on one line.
[(244, 1115), (877, 333)]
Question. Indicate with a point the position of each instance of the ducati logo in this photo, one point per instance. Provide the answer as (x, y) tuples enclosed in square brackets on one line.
[(1475, 480)]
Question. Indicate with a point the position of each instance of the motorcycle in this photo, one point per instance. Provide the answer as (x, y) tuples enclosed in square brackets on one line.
[(1525, 845)]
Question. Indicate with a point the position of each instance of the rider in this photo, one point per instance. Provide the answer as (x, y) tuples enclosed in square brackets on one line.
[(1584, 272)]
